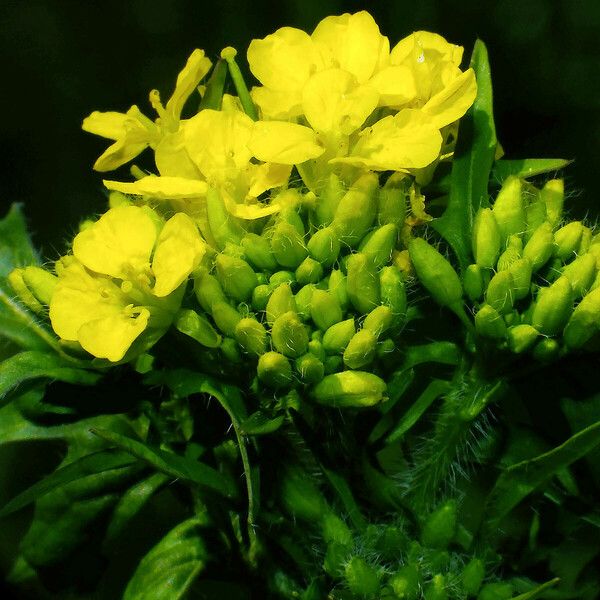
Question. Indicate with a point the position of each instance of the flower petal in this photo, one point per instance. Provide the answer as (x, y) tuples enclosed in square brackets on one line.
[(267, 176), (109, 124), (285, 143), (453, 101), (277, 105), (172, 159), (425, 46), (163, 188), (395, 84)]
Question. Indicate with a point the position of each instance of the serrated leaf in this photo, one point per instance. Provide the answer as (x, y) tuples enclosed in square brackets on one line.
[(526, 167), (171, 567), (473, 159), (171, 464), (16, 249), (32, 364), (260, 424)]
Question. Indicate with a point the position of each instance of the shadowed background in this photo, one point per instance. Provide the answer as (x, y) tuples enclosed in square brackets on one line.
[(61, 60)]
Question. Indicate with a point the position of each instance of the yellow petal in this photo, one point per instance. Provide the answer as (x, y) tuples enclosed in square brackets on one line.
[(112, 335), (251, 209), (453, 101), (121, 240), (285, 143), (172, 159), (395, 84), (119, 153), (197, 66), (425, 46), (284, 60), (334, 102), (163, 188), (407, 140), (351, 42), (277, 105), (178, 251), (109, 124), (267, 176)]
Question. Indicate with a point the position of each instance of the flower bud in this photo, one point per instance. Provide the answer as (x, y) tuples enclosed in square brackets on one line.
[(274, 370), (360, 350), (197, 327), (289, 335), (231, 351), (40, 282), (301, 497), (521, 273), (513, 252), (378, 245), (535, 211), (435, 273), (324, 246), (391, 206), (385, 348), (357, 210), (287, 245), (439, 527), (567, 240), (473, 282), (325, 310), (584, 322), (224, 227), (581, 273), (508, 209), (488, 323), (406, 582), (336, 338), (553, 307), (280, 302), (486, 238), (362, 283), (329, 200), (379, 320), (546, 350), (15, 279), (521, 337), (260, 297), (225, 317), (315, 347), (258, 252), (499, 294), (309, 271), (333, 364), (472, 576), (303, 301), (288, 212), (586, 241), (539, 247), (280, 277), (337, 286), (208, 291), (310, 368), (553, 195), (350, 389), (251, 336), (236, 277), (393, 293), (361, 578), (436, 588)]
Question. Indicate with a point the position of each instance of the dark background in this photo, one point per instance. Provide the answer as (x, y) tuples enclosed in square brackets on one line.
[(61, 59)]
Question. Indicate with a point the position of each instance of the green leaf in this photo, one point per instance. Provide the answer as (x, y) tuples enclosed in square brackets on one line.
[(89, 465), (522, 479), (259, 424), (526, 167), (535, 593), (31, 365), (171, 567), (473, 159), (171, 464), (16, 249)]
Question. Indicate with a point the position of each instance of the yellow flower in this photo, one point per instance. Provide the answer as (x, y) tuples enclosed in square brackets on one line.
[(124, 277), (132, 131)]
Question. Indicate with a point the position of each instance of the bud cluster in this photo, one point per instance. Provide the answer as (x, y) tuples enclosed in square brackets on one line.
[(314, 299)]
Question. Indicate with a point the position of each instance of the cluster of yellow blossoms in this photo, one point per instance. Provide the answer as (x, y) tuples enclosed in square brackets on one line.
[(336, 103)]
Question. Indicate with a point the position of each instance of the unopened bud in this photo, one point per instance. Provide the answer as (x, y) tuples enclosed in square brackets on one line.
[(393, 293), (499, 293), (553, 307), (581, 273), (336, 338), (362, 283), (553, 195), (15, 279), (379, 320), (391, 206), (258, 252), (439, 527), (324, 246), (236, 277), (521, 337), (260, 297), (361, 578), (274, 370), (350, 389), (337, 286), (472, 576), (540, 246), (303, 301), (329, 200), (333, 364), (379, 244), (486, 238), (208, 291), (280, 277), (521, 272), (289, 335), (360, 350), (225, 317), (287, 245), (309, 271), (251, 336), (310, 369), (224, 227), (546, 350), (509, 210), (489, 323), (280, 302), (325, 310), (584, 322), (197, 327), (436, 589), (473, 282), (231, 350), (40, 282), (567, 240), (406, 582)]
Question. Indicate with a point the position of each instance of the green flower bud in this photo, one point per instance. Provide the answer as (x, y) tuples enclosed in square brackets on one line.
[(280, 302), (336, 556), (521, 273), (385, 348), (231, 351), (436, 588), (324, 246), (333, 364), (258, 252), (440, 526), (234, 250), (315, 347), (391, 206), (303, 301), (393, 293), (406, 583), (488, 323), (236, 277), (499, 294), (309, 271), (338, 288), (546, 350), (581, 273), (208, 291), (287, 245), (289, 214), (513, 252), (224, 227), (350, 389), (553, 195), (509, 210), (260, 297), (362, 579), (378, 245), (521, 337), (336, 338), (310, 368), (197, 327), (325, 310), (328, 201), (496, 591), (472, 576), (486, 238), (379, 320), (289, 335), (473, 282), (586, 241), (280, 277), (334, 530), (360, 350), (435, 273), (567, 240), (251, 336), (301, 497), (539, 247), (584, 322), (535, 211), (274, 370), (225, 317), (357, 210), (362, 283), (15, 279), (40, 282), (553, 307)]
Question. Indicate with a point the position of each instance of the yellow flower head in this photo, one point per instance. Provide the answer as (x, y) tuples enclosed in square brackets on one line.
[(125, 276)]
